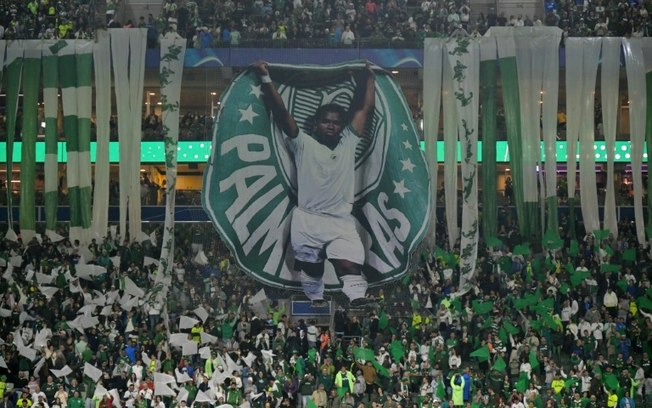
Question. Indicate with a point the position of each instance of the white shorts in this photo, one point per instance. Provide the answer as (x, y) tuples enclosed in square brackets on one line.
[(316, 237)]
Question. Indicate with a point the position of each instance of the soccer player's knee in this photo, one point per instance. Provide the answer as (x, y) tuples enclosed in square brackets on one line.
[(343, 267)]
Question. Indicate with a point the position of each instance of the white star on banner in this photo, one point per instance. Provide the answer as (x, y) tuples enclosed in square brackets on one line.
[(248, 114), (256, 91), (400, 189), (404, 126), (407, 165), (407, 145)]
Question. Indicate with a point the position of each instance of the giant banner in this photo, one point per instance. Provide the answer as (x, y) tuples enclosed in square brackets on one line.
[(250, 185)]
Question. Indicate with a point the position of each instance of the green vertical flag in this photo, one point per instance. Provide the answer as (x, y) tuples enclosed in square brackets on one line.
[(68, 80), (396, 350), (578, 277), (522, 249), (50, 109), (644, 302), (31, 77), (310, 403), (383, 320), (441, 390), (84, 94), (609, 267), (510, 328), (574, 248), (534, 363), (522, 384)]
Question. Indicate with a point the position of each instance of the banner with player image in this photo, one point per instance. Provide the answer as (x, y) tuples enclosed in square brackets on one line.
[(250, 185)]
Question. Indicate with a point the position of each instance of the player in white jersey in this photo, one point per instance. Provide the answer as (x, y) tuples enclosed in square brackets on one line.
[(322, 225)]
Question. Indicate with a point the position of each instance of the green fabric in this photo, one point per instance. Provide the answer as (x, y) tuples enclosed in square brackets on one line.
[(51, 196), (489, 127), (84, 69), (67, 78), (481, 354), (571, 214), (630, 254), (648, 134), (499, 365), (482, 307), (32, 73), (509, 78), (383, 320), (553, 213)]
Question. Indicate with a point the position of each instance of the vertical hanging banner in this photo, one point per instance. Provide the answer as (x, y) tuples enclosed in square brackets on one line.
[(609, 78), (488, 55), (450, 156), (464, 62), (14, 75), (636, 88), (84, 66), (50, 109), (537, 60), (574, 86), (646, 45), (588, 190), (128, 73), (102, 66), (432, 76), (30, 83), (3, 47), (68, 80), (171, 74), (509, 79), (549, 107), (250, 184)]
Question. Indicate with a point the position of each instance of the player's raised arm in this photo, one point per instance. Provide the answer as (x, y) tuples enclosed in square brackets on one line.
[(273, 100), (364, 99)]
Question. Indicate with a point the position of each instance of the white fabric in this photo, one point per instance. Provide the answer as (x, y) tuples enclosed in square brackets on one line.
[(573, 108), (636, 89), (549, 106), (313, 288), (467, 85), (102, 64), (128, 71), (432, 77), (170, 118), (354, 286), (323, 174), (609, 77), (450, 156), (529, 63), (588, 188)]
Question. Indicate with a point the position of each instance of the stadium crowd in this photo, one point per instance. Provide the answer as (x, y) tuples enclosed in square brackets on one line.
[(564, 325), (399, 23)]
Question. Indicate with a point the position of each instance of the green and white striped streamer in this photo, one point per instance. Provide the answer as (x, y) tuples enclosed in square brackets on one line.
[(636, 88), (30, 83), (68, 80), (171, 74), (14, 76), (128, 72), (432, 77), (609, 82), (84, 66), (464, 63), (50, 108), (102, 64), (450, 155), (488, 54), (509, 78)]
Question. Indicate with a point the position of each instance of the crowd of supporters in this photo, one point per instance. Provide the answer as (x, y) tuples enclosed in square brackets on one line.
[(567, 324), (324, 23)]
